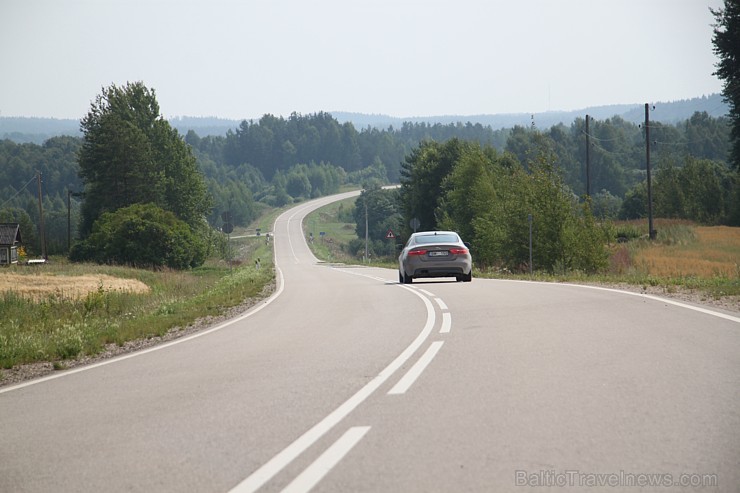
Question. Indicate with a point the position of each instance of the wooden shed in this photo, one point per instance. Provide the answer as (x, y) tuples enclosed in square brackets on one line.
[(10, 240)]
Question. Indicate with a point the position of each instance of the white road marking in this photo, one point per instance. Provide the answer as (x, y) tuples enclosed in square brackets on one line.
[(312, 205), (268, 470), (441, 303), (446, 323), (258, 308), (278, 291), (287, 232), (427, 292), (314, 473), (641, 295), (403, 385)]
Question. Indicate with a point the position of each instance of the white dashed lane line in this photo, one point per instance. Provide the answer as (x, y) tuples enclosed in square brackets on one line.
[(441, 303), (314, 473), (277, 463), (446, 323), (410, 377)]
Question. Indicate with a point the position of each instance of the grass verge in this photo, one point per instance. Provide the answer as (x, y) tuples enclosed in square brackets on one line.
[(58, 327), (338, 228)]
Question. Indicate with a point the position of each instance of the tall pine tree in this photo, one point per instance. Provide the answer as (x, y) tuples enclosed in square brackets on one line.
[(727, 47), (131, 155)]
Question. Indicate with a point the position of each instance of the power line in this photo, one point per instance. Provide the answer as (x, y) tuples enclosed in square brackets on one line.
[(592, 136), (678, 143), (681, 143), (18, 192), (606, 151)]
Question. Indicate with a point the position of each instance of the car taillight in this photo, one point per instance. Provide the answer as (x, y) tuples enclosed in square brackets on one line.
[(417, 252), (458, 251)]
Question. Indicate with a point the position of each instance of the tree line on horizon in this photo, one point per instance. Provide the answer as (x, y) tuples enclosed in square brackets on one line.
[(692, 152), (275, 161)]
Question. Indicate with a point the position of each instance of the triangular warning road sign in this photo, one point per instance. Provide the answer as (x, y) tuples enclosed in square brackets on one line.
[(389, 235)]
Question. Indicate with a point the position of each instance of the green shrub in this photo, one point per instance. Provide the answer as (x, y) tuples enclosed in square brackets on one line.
[(626, 232), (142, 235)]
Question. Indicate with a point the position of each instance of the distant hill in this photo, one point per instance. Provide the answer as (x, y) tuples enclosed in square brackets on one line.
[(203, 125), (37, 130), (665, 112)]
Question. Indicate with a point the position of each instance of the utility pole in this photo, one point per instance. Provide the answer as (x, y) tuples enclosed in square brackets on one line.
[(42, 234), (531, 267), (651, 231), (69, 220), (366, 228), (70, 194), (588, 159)]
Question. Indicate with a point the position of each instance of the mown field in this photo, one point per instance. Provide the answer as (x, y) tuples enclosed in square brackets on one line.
[(62, 311)]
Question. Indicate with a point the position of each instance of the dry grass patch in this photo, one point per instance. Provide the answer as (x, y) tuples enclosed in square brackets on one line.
[(42, 286), (715, 251)]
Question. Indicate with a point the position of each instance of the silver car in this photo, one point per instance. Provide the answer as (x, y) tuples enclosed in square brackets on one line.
[(435, 254)]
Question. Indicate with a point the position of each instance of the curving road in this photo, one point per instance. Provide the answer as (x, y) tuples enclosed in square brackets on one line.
[(345, 381)]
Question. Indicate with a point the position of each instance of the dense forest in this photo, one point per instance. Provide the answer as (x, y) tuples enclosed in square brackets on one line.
[(491, 199), (275, 161)]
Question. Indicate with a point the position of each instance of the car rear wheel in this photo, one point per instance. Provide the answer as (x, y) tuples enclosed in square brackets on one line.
[(404, 279), (467, 277)]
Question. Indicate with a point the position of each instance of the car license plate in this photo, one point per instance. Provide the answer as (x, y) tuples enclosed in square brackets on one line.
[(441, 253)]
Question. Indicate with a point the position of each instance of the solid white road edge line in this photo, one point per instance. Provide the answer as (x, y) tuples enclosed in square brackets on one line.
[(287, 232), (268, 470), (410, 377), (446, 323), (252, 311), (640, 295), (314, 473)]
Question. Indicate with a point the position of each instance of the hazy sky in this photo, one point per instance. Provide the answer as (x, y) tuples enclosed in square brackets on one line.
[(244, 58)]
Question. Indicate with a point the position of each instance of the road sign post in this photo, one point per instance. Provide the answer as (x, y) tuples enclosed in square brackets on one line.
[(414, 223), (529, 218)]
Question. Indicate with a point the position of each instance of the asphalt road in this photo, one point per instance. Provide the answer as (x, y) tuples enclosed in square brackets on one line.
[(347, 381)]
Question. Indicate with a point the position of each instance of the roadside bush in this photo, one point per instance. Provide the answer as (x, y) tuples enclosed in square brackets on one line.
[(142, 235), (626, 232), (496, 202)]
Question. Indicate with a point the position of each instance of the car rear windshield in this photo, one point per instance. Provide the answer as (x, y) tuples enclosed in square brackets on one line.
[(443, 238)]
